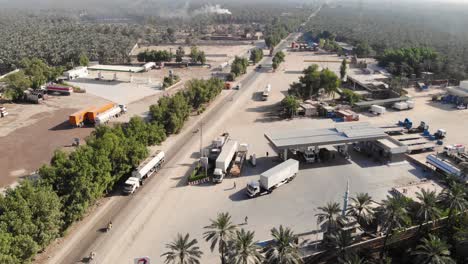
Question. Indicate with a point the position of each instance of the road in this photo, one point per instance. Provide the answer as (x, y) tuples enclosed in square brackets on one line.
[(131, 213)]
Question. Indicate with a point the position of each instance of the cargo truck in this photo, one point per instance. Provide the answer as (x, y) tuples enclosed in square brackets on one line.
[(404, 105), (239, 159), (224, 160), (377, 109), (54, 88), (146, 169), (92, 115), (273, 178), (78, 119), (115, 111)]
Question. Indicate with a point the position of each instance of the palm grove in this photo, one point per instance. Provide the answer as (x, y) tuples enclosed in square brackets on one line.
[(440, 221), (38, 211)]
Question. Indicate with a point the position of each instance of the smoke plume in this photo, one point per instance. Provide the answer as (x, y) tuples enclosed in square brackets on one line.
[(211, 9)]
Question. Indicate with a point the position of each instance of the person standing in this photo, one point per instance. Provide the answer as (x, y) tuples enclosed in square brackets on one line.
[(246, 219), (267, 154), (234, 185)]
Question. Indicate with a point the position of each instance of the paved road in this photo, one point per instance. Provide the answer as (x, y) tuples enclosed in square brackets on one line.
[(124, 209)]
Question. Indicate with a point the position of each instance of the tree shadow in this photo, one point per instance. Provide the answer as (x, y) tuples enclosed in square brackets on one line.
[(292, 72)]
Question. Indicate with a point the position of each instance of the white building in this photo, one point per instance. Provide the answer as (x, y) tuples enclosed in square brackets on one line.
[(77, 72)]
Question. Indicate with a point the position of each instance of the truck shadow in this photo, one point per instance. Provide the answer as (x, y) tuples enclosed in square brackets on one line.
[(65, 125), (239, 196)]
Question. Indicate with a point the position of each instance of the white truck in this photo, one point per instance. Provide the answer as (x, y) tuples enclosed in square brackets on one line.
[(115, 111), (404, 105), (266, 92), (224, 160), (273, 178), (144, 171), (377, 109)]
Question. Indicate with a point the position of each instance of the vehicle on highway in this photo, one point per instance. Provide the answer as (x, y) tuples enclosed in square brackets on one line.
[(266, 92), (273, 178), (143, 172)]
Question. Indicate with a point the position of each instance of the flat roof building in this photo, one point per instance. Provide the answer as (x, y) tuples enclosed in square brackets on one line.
[(116, 68)]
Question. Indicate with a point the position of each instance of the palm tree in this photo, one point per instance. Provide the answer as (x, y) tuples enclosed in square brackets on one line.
[(183, 251), (284, 248), (455, 199), (243, 249), (427, 207), (220, 231), (330, 212), (353, 259), (341, 240), (433, 250), (393, 214), (360, 208)]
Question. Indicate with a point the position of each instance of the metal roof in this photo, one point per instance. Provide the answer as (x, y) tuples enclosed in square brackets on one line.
[(381, 102), (116, 68), (341, 134)]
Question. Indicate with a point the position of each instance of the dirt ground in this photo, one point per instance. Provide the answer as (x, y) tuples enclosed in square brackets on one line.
[(31, 133)]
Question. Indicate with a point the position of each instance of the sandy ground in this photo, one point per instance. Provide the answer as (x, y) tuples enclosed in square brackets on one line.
[(145, 222), (166, 206), (31, 133)]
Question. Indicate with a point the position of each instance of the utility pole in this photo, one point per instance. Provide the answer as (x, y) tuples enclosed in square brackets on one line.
[(201, 139)]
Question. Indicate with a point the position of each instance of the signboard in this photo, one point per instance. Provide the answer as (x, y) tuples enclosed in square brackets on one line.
[(142, 260)]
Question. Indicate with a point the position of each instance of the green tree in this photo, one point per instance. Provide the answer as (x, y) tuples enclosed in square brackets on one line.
[(343, 68), (219, 233), (363, 50), (350, 96), (329, 81), (180, 53), (331, 212), (341, 240), (239, 66), (392, 214), (201, 57), (455, 199), (183, 251), (194, 53), (433, 250), (290, 105), (284, 248), (309, 83), (256, 55), (361, 208), (243, 249), (84, 60), (16, 84), (427, 209), (353, 259)]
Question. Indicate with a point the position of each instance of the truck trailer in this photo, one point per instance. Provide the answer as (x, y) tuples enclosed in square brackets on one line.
[(146, 169), (92, 115), (239, 160), (115, 111), (55, 88), (78, 118), (273, 178), (224, 160)]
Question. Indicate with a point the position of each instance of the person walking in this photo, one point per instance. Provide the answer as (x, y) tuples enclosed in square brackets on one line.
[(267, 154), (234, 185), (246, 219)]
